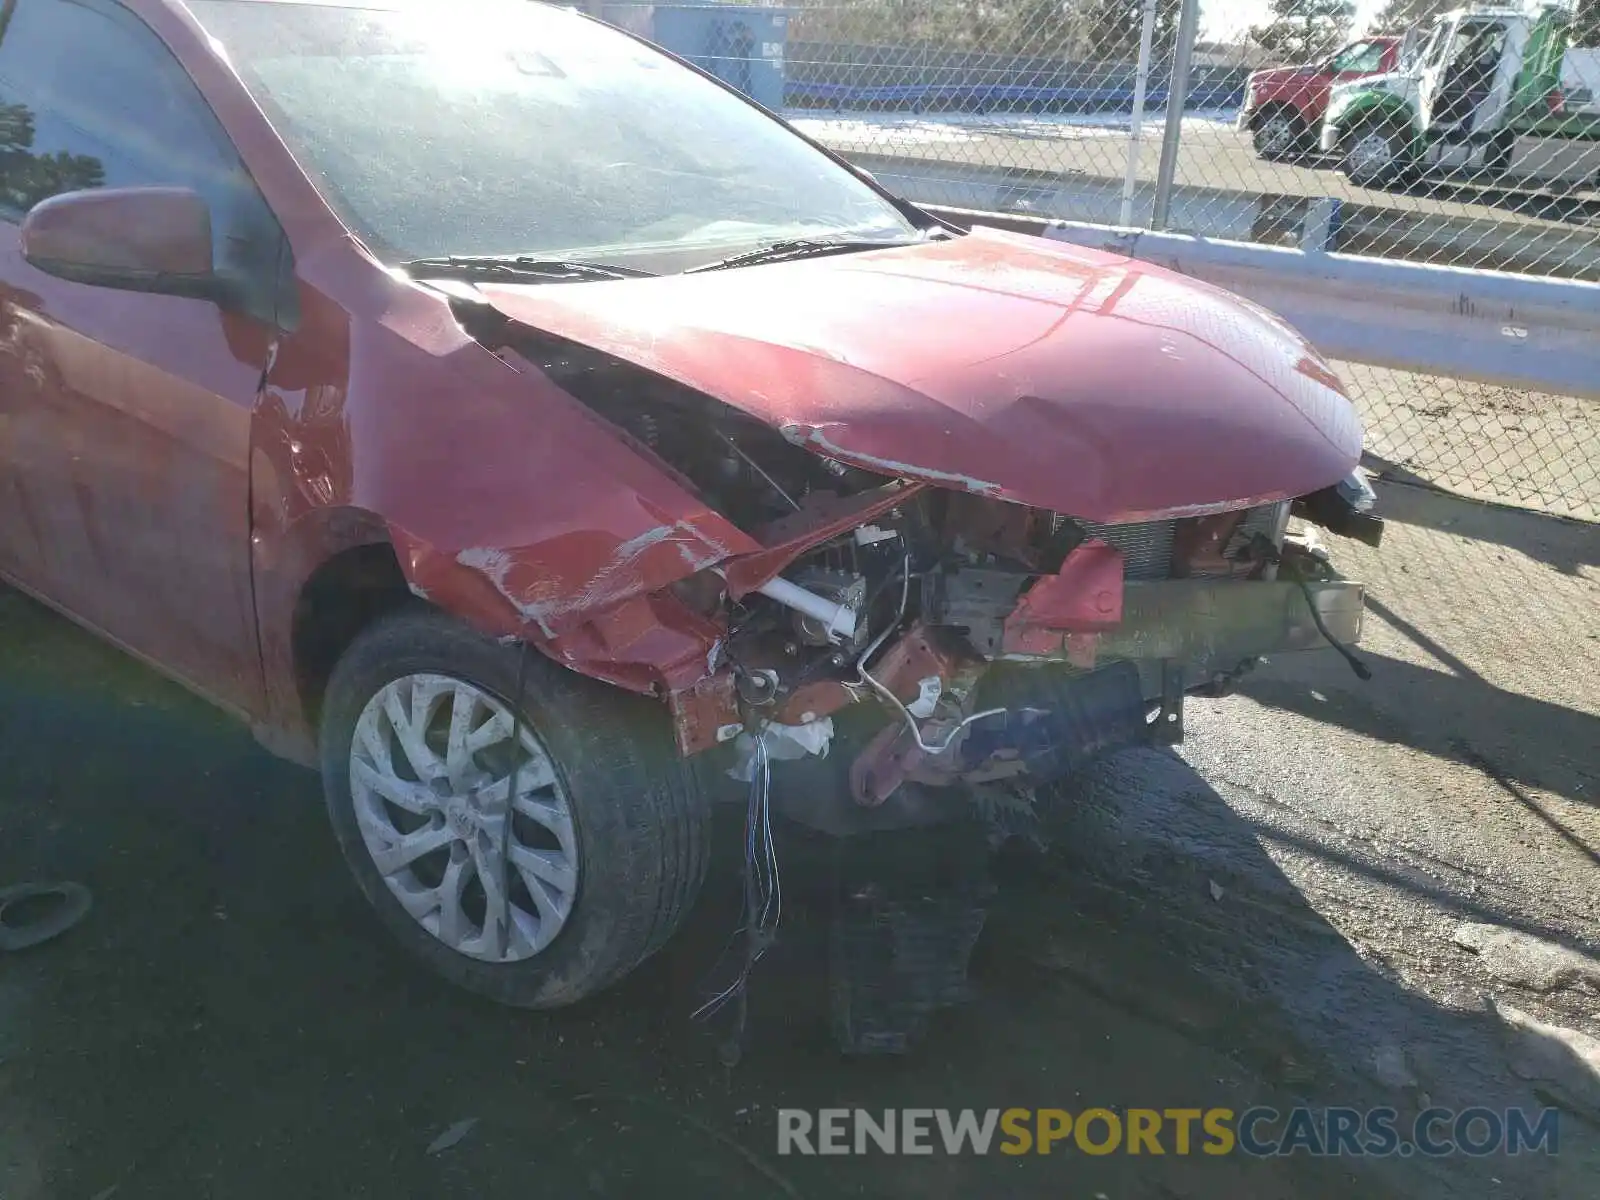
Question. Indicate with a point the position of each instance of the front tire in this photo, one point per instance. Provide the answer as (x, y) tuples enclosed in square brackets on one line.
[(596, 863), (1373, 154), (1278, 134)]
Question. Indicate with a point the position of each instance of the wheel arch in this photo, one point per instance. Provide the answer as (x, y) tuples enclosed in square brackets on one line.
[(1274, 107), (1376, 108), (318, 581), (344, 594)]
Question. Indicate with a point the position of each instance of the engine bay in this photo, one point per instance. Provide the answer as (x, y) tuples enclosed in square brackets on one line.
[(968, 627)]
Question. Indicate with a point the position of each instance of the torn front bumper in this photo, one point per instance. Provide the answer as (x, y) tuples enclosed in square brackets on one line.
[(1129, 682), (1049, 713), (1210, 626)]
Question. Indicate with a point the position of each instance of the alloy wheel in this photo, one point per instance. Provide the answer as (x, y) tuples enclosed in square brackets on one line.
[(492, 876)]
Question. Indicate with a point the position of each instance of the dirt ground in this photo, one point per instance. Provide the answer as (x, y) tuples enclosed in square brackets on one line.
[(1265, 917), (1491, 443)]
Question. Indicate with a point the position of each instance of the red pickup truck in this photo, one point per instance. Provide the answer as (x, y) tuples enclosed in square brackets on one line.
[(1283, 106)]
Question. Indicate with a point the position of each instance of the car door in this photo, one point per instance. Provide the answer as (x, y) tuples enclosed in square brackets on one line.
[(1436, 60), (1512, 44), (1468, 83), (125, 416)]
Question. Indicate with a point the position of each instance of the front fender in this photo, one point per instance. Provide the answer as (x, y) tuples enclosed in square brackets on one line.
[(1372, 106)]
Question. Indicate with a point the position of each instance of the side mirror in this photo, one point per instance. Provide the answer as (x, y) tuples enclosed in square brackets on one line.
[(142, 239)]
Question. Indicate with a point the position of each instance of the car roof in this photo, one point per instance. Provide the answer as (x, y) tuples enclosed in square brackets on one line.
[(370, 5)]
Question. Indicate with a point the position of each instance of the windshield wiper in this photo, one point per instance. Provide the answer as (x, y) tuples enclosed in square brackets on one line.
[(517, 266), (796, 248)]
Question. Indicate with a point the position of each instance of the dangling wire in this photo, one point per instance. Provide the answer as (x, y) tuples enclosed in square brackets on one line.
[(888, 696), (1262, 547), (763, 893)]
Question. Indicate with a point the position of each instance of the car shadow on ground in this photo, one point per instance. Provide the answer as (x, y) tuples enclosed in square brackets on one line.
[(1567, 545), (1454, 716), (1443, 705), (230, 1021)]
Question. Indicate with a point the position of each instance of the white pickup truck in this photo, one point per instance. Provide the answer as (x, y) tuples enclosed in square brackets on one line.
[(1491, 91)]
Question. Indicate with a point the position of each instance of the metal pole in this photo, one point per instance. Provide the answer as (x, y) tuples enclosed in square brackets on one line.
[(1147, 37), (1177, 98)]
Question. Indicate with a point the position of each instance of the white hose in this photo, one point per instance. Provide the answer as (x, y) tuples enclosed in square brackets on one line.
[(838, 619)]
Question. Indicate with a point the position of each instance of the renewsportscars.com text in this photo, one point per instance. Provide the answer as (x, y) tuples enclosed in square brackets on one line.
[(1318, 1132)]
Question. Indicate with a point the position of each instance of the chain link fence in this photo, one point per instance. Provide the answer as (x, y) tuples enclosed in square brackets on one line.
[(1490, 443), (1466, 138)]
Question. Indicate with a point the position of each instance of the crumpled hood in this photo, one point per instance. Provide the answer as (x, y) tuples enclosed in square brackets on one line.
[(1010, 366)]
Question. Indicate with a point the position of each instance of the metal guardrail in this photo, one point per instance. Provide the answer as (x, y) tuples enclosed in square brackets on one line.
[(1541, 335), (1311, 222)]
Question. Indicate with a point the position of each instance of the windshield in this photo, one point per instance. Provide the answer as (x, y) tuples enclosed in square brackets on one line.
[(1363, 57), (517, 128)]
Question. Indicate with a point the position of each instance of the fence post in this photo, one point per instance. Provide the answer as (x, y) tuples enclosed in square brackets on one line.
[(1147, 37), (1177, 98)]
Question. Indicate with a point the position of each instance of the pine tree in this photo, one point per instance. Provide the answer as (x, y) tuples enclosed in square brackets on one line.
[(1586, 24), (1397, 16), (1111, 29), (1303, 30)]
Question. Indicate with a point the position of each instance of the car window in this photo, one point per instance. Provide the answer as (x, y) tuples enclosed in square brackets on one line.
[(1478, 42), (1438, 44), (90, 97), (520, 128), (1365, 57)]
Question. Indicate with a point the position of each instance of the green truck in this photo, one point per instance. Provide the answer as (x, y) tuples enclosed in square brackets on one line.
[(1496, 93)]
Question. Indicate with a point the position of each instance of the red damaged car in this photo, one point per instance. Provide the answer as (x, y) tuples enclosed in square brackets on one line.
[(547, 442)]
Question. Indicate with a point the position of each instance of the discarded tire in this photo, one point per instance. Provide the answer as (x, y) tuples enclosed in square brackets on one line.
[(71, 905)]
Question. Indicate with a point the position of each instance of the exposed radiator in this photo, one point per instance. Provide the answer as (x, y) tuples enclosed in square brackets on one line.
[(1146, 546)]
